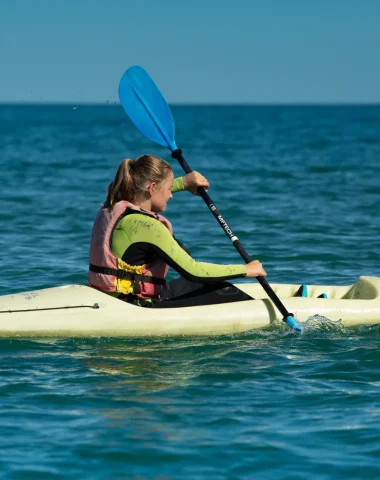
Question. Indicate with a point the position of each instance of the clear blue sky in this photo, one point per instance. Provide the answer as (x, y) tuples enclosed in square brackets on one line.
[(197, 51)]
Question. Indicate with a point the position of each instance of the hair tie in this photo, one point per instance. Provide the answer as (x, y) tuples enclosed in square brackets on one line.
[(131, 164)]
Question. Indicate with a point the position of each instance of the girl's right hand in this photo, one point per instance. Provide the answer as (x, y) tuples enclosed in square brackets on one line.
[(255, 269)]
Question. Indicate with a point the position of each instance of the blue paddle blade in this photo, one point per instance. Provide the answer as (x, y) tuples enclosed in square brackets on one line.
[(146, 107), (293, 324)]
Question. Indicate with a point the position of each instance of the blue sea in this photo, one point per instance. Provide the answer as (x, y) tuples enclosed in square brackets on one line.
[(300, 186)]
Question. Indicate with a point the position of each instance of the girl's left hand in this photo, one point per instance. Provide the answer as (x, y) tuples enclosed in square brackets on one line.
[(193, 180)]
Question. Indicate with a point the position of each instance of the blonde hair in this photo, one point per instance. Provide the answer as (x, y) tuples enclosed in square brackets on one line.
[(132, 176)]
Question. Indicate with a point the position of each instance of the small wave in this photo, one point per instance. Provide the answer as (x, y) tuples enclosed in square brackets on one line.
[(370, 140), (318, 144)]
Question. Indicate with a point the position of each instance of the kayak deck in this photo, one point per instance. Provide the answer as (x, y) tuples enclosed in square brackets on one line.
[(81, 311)]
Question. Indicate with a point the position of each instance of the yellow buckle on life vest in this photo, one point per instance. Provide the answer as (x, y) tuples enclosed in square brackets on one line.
[(125, 285)]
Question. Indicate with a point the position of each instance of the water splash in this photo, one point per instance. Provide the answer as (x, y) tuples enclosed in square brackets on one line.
[(323, 324)]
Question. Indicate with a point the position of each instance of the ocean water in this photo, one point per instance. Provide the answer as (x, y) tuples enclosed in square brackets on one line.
[(300, 186)]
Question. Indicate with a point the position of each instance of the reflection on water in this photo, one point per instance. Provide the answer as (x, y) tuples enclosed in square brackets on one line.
[(156, 364)]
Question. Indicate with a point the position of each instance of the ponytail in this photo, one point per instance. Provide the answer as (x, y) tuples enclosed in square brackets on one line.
[(122, 187)]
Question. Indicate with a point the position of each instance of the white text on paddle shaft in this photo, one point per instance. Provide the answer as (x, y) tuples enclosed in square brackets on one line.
[(230, 233)]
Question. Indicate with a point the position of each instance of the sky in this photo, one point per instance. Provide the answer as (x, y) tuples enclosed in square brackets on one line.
[(197, 51)]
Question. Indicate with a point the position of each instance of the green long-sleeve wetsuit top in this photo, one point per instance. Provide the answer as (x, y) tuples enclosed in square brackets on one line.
[(138, 239)]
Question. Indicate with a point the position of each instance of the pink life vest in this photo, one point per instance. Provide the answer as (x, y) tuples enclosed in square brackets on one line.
[(105, 270)]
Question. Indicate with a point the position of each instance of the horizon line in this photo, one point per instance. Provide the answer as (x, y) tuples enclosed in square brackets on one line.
[(196, 104)]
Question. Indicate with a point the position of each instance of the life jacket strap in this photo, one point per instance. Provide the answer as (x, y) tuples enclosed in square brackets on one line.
[(123, 275)]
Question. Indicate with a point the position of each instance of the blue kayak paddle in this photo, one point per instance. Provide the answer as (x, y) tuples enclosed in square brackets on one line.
[(148, 110)]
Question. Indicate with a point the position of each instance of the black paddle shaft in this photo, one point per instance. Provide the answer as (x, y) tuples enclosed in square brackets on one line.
[(177, 154)]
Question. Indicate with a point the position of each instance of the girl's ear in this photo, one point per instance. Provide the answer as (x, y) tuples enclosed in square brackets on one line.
[(151, 188)]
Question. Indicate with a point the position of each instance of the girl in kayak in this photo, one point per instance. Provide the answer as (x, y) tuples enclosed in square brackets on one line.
[(132, 247)]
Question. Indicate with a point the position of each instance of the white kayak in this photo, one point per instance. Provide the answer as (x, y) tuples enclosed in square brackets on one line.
[(81, 311)]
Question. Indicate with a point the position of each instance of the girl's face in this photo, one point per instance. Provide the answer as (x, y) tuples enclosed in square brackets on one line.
[(160, 193)]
